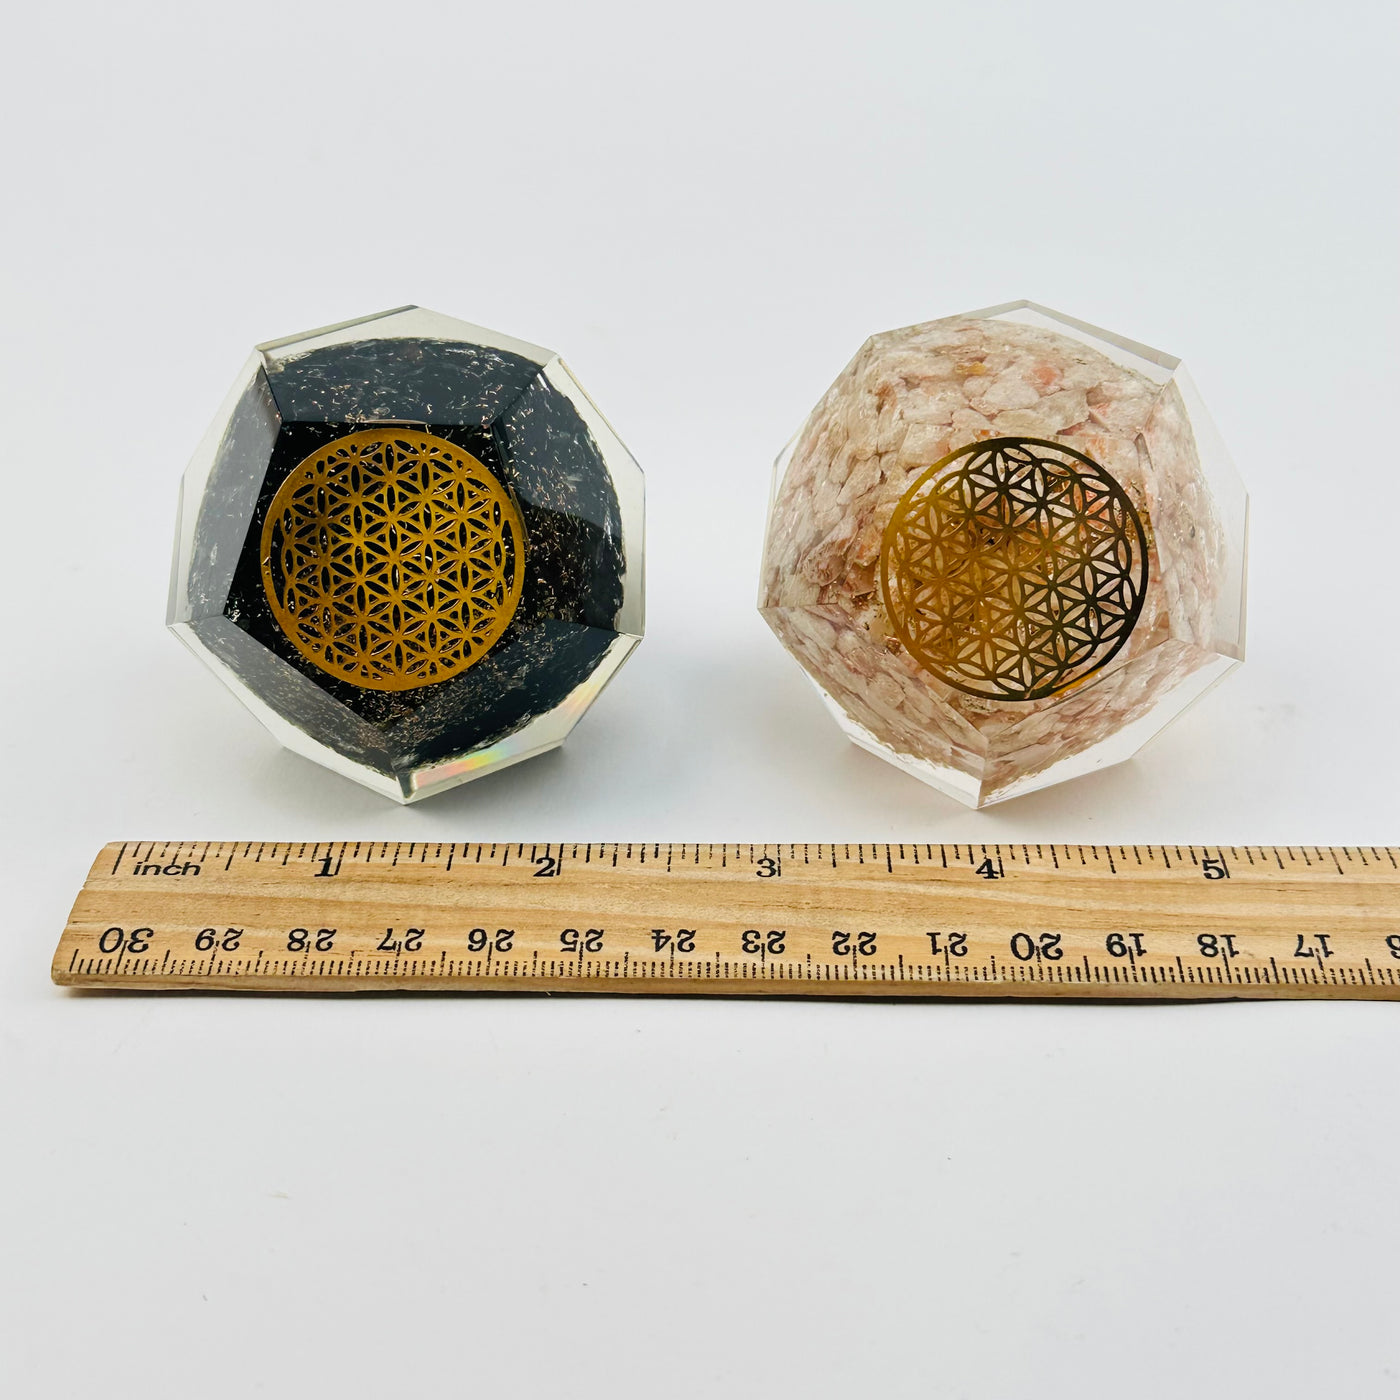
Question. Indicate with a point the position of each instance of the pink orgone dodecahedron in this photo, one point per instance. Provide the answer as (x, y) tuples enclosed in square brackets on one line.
[(1008, 548)]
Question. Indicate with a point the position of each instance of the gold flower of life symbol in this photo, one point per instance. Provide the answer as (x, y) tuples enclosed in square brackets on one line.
[(392, 559), (1014, 568)]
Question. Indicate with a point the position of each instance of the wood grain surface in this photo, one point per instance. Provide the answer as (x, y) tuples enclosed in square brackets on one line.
[(791, 919)]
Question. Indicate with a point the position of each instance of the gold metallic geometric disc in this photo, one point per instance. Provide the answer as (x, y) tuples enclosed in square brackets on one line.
[(1014, 568), (392, 559)]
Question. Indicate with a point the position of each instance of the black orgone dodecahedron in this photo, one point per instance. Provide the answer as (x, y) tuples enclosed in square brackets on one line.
[(412, 547)]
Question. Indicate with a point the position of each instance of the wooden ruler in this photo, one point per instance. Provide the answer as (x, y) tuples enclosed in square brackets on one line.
[(833, 920)]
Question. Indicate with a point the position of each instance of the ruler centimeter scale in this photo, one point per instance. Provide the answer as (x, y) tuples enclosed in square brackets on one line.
[(790, 919)]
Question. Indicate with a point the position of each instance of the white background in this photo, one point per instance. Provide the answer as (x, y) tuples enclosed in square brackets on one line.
[(706, 210)]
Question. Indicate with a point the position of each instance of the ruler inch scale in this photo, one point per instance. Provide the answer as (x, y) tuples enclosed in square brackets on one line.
[(882, 920)]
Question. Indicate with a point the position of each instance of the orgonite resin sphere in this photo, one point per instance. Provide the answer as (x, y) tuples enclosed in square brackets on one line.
[(1008, 548), (412, 547)]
